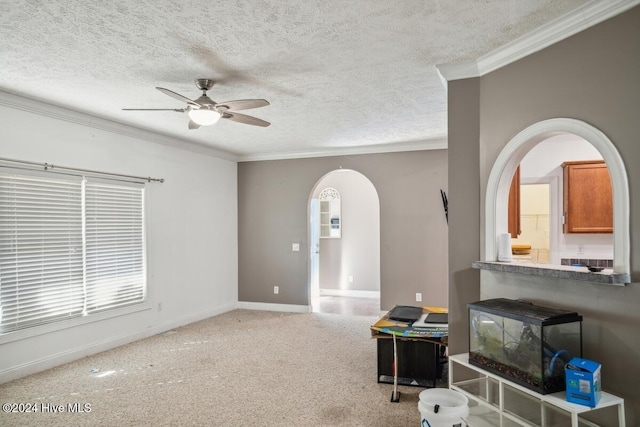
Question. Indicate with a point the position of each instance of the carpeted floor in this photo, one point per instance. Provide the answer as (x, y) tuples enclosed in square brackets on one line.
[(242, 368)]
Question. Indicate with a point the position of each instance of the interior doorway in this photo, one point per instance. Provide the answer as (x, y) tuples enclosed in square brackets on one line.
[(344, 257), (535, 223)]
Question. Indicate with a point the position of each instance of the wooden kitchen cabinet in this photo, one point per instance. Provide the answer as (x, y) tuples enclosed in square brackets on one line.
[(588, 197), (513, 214)]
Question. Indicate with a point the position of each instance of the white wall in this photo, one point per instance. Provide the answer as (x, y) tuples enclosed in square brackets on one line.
[(191, 228), (545, 161)]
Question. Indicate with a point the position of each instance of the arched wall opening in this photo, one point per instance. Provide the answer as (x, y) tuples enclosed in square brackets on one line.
[(497, 192), (347, 264)]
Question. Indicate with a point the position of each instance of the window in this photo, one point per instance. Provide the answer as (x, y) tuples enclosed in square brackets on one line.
[(69, 247)]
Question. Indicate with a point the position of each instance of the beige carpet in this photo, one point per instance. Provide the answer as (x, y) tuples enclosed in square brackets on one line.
[(242, 368)]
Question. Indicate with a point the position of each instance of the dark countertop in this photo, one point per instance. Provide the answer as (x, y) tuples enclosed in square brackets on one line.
[(605, 277)]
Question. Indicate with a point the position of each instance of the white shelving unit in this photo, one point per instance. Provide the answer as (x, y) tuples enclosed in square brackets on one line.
[(497, 402), (330, 217)]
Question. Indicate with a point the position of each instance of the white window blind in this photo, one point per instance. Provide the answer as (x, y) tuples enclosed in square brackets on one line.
[(40, 251), (68, 248), (114, 246)]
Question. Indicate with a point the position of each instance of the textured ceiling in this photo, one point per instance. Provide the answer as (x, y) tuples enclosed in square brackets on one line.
[(339, 74)]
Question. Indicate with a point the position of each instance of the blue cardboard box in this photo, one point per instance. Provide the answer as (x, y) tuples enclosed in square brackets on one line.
[(583, 381)]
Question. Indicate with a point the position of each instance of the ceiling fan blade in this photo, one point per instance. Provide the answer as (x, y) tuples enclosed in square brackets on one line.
[(177, 96), (193, 125), (179, 110), (243, 104), (247, 120)]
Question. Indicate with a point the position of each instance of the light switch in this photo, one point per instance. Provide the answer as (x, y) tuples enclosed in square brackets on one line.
[(295, 247)]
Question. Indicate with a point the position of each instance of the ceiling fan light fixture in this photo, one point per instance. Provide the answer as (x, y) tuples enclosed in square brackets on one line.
[(204, 116), (204, 112)]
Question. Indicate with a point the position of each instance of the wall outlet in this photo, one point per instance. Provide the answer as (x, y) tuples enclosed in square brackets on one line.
[(159, 306), (350, 279), (295, 247), (276, 290), (418, 297), (580, 249)]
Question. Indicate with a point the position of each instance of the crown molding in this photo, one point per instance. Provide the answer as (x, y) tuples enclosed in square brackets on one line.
[(464, 70), (557, 30), (58, 112), (439, 143)]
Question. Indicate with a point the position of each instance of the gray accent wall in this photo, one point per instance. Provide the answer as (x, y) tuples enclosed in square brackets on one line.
[(592, 76), (273, 199), (464, 207)]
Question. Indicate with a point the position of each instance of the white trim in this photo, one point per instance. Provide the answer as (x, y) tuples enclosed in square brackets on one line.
[(438, 143), (515, 150), (264, 306), (464, 70), (73, 354), (57, 112), (349, 293), (544, 36)]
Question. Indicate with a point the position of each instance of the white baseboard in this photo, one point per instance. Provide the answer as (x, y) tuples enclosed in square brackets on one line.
[(289, 308), (349, 293), (95, 347)]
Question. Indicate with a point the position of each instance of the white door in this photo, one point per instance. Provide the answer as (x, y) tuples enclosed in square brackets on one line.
[(314, 253)]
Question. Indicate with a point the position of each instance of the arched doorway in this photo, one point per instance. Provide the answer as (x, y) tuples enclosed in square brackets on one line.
[(344, 259), (513, 153)]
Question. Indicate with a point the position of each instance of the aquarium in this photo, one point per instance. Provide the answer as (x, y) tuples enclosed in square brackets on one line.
[(522, 342)]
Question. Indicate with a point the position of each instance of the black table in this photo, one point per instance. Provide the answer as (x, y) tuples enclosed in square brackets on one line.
[(418, 352)]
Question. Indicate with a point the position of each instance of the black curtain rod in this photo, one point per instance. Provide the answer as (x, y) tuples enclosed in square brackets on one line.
[(50, 168)]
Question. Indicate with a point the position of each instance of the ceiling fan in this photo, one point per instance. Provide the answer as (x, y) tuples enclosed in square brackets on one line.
[(204, 111)]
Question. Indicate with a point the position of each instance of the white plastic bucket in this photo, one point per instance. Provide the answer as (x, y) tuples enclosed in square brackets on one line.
[(441, 407)]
